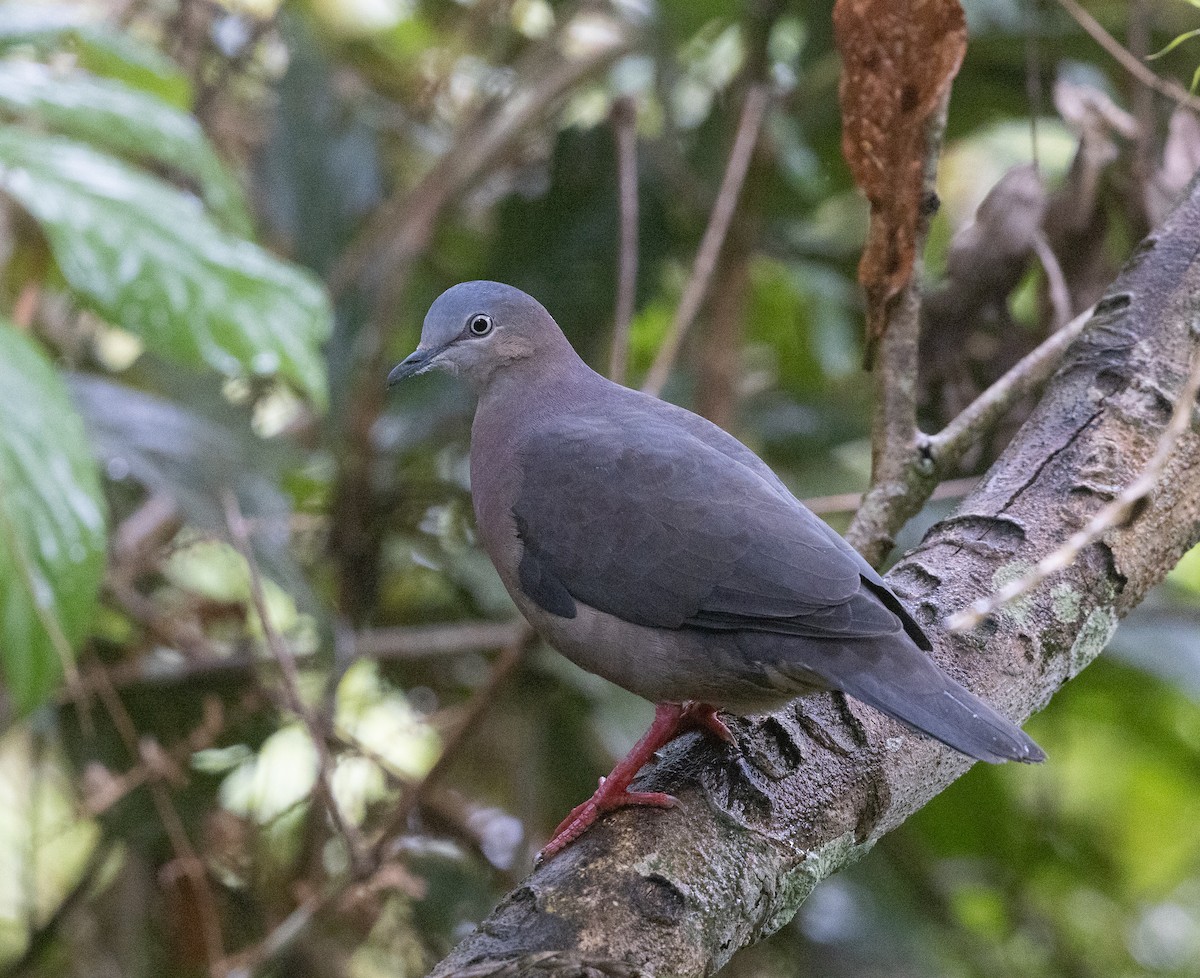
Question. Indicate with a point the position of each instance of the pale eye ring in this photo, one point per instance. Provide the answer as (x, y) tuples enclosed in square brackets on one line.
[(480, 324)]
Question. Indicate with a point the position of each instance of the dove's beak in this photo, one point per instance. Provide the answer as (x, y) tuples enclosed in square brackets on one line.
[(415, 363)]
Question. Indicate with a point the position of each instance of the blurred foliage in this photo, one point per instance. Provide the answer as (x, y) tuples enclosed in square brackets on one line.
[(52, 523), (189, 341)]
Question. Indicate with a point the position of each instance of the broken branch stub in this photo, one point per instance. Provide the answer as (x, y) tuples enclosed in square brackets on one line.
[(898, 59)]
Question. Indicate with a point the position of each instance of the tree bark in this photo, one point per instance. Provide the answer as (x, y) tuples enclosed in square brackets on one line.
[(814, 786)]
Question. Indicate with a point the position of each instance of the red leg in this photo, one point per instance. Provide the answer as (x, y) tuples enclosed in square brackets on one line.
[(670, 720)]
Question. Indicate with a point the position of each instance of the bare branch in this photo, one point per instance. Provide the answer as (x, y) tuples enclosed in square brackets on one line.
[(1113, 515), (915, 467), (848, 502), (428, 641), (281, 938), (186, 863), (1056, 282), (477, 709), (624, 117), (754, 110), (204, 659), (291, 682), (300, 920), (1164, 86), (948, 446), (102, 789), (140, 535), (895, 439)]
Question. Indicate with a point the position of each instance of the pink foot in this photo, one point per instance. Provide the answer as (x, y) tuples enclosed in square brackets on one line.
[(670, 720), (582, 816)]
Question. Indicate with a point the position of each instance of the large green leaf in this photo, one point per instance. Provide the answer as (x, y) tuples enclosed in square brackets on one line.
[(98, 48), (135, 124), (147, 257), (52, 523)]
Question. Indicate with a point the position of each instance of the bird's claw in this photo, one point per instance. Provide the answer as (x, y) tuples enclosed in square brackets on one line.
[(702, 716), (670, 720), (582, 816)]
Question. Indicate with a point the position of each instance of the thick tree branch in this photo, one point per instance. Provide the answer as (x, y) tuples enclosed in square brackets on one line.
[(1116, 513), (678, 892)]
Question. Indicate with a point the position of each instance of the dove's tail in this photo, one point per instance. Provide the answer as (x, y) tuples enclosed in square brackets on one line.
[(891, 674)]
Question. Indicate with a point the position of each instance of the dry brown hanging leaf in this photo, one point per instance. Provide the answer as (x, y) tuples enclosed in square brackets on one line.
[(898, 59)]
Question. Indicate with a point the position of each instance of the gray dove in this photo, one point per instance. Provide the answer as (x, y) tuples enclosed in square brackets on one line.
[(654, 549)]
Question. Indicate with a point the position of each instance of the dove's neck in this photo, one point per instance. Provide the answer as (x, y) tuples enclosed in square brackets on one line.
[(519, 403), (545, 385)]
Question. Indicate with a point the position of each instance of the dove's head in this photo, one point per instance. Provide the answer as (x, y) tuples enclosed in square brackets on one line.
[(480, 329)]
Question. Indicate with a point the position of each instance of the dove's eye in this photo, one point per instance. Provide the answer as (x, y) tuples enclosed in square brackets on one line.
[(479, 324)]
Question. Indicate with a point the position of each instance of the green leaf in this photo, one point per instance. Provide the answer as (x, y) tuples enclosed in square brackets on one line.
[(147, 257), (52, 523), (124, 120), (98, 48), (24, 24), (117, 55)]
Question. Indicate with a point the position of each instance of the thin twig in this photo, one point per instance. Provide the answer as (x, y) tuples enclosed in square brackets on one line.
[(26, 306), (1139, 29), (948, 446), (1164, 86), (1056, 282), (754, 110), (1115, 514), (404, 643), (480, 704), (154, 763), (297, 923), (1033, 73), (291, 681), (428, 641), (186, 859), (624, 117), (186, 636), (848, 502), (282, 936), (138, 538), (444, 803)]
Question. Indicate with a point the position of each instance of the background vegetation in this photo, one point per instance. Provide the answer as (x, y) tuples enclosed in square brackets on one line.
[(267, 710)]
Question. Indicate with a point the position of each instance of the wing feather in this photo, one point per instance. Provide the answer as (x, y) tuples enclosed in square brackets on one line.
[(659, 528)]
